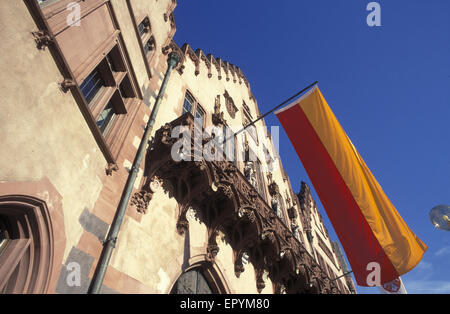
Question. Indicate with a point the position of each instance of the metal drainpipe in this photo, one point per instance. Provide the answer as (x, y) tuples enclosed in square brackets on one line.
[(110, 243)]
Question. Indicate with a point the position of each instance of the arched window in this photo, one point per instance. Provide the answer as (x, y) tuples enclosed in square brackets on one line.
[(26, 245)]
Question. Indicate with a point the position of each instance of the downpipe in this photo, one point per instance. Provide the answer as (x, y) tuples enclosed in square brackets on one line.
[(111, 240)]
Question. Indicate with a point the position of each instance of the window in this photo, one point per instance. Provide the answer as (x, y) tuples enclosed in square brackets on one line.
[(282, 208), (97, 69), (247, 119), (146, 40), (111, 62), (92, 85), (149, 46), (144, 27), (246, 109), (192, 106), (106, 117), (26, 245), (188, 103), (259, 175), (200, 114), (108, 90), (229, 145), (321, 262)]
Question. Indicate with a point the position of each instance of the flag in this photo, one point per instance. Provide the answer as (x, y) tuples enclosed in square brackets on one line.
[(369, 227), (396, 286)]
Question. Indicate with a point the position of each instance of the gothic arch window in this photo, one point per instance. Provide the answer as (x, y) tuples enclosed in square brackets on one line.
[(26, 245)]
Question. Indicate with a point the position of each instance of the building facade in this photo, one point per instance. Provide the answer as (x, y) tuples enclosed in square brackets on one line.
[(211, 209)]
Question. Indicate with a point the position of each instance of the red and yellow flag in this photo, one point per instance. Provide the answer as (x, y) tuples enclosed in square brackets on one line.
[(367, 224)]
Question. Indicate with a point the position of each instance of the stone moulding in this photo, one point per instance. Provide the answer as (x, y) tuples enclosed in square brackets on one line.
[(225, 201)]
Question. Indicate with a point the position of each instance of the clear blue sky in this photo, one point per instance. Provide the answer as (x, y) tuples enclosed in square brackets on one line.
[(388, 86)]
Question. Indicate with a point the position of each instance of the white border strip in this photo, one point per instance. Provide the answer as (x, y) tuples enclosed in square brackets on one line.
[(297, 100)]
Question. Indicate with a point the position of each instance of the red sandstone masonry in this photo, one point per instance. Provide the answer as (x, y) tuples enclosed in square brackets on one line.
[(90, 244)]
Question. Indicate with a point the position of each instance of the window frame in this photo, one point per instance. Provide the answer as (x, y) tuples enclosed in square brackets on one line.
[(195, 106), (50, 20), (26, 261), (114, 77), (260, 179), (284, 216), (143, 39), (230, 145), (251, 130), (257, 167)]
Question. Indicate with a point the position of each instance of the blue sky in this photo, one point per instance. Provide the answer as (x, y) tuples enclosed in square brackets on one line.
[(389, 87)]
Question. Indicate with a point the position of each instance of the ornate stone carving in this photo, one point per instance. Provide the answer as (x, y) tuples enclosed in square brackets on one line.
[(250, 174), (111, 168), (182, 224), (273, 189), (212, 250), (295, 231), (42, 39), (66, 84), (292, 213), (240, 261), (218, 115), (260, 284), (229, 104), (172, 47), (166, 137), (238, 268), (141, 200), (224, 198), (276, 207)]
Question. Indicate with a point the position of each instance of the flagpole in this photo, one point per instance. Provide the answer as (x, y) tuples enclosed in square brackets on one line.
[(275, 108), (344, 275)]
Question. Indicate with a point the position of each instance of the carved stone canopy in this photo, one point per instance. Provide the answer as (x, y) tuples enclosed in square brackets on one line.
[(228, 204), (218, 116), (229, 103), (273, 189)]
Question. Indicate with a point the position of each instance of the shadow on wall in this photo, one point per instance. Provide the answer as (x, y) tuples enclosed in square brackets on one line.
[(187, 251)]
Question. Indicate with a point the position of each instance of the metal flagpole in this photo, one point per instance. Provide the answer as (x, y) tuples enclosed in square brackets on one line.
[(275, 108), (347, 273)]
